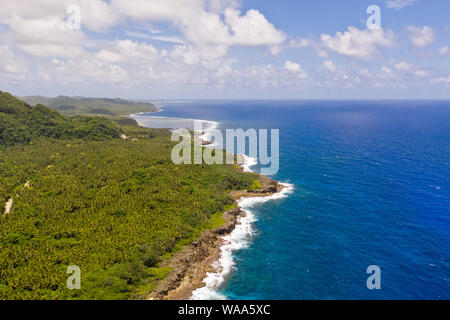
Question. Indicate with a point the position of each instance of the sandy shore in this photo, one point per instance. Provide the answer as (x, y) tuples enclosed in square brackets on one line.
[(191, 264)]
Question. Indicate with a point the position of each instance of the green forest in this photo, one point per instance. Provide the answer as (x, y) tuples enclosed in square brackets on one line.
[(105, 107), (82, 195)]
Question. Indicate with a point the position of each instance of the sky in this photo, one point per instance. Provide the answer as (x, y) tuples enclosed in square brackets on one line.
[(226, 49)]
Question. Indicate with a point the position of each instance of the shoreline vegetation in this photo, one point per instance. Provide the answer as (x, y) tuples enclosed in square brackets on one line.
[(191, 265), (112, 109), (99, 195), (104, 195)]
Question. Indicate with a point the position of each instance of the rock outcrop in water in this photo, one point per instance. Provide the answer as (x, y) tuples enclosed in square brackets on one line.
[(190, 265)]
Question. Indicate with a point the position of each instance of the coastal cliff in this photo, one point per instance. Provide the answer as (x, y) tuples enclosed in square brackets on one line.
[(191, 265)]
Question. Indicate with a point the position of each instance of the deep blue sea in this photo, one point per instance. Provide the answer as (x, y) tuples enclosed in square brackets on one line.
[(372, 187)]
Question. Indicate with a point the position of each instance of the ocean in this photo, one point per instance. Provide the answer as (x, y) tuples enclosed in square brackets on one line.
[(368, 184)]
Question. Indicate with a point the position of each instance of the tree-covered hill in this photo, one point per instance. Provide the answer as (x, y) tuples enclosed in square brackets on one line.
[(72, 106), (19, 123), (114, 207)]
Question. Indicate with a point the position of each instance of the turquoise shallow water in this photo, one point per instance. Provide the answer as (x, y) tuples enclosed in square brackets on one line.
[(372, 187)]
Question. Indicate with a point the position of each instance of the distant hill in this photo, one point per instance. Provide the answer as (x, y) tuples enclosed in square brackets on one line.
[(72, 106), (117, 208), (20, 123)]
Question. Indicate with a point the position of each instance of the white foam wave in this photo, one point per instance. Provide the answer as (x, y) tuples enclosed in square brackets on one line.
[(239, 238), (206, 136), (242, 234), (248, 162), (175, 123)]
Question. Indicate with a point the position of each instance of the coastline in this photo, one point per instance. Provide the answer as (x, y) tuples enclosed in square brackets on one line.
[(202, 266), (161, 122), (195, 263)]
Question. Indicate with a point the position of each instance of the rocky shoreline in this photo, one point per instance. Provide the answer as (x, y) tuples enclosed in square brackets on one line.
[(190, 265)]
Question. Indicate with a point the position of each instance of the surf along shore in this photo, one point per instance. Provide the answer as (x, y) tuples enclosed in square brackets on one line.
[(195, 264), (191, 265)]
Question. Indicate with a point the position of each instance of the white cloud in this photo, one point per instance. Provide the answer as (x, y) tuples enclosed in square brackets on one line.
[(328, 64), (420, 73), (96, 15), (445, 80), (29, 9), (403, 66), (167, 10), (399, 4), (109, 56), (225, 26), (206, 27), (137, 51), (40, 28), (172, 39), (271, 76), (45, 37), (79, 71), (421, 37), (152, 34), (295, 68), (129, 51), (275, 50), (220, 5), (252, 29), (36, 46), (365, 73), (292, 66), (444, 51), (322, 53), (193, 55), (411, 69), (358, 43), (11, 63), (299, 43), (140, 34), (386, 73)]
